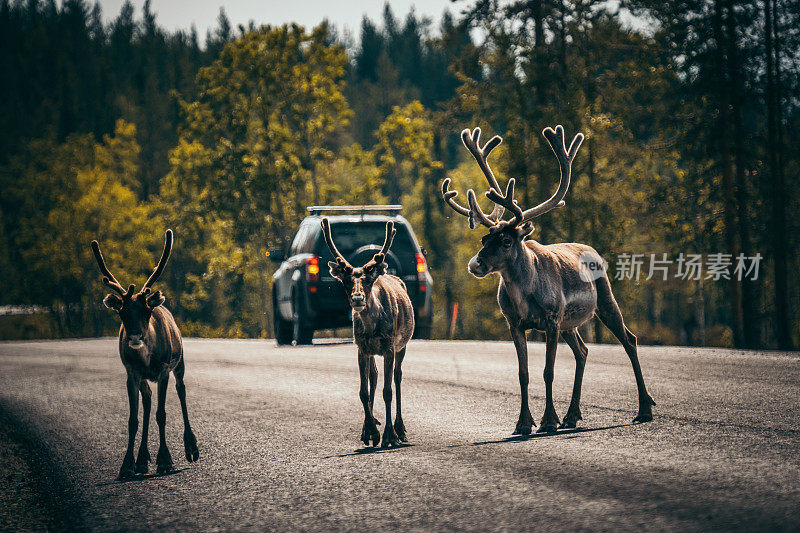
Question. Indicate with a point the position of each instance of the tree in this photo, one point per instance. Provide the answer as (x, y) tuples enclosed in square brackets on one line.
[(63, 196), (269, 114)]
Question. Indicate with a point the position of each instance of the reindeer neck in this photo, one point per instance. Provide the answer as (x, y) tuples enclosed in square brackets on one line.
[(368, 316), (524, 265), (141, 355)]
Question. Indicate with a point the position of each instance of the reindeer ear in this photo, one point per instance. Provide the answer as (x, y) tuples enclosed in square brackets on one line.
[(336, 270), (155, 299), (525, 229), (113, 302), (376, 269)]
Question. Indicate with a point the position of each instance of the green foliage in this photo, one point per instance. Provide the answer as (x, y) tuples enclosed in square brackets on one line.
[(267, 113), (59, 198), (256, 146), (350, 179), (118, 131)]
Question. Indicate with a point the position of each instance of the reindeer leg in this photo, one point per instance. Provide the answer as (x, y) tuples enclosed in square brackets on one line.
[(369, 432), (580, 351), (389, 436), (399, 427), (550, 420), (127, 471), (163, 459), (143, 459), (373, 382), (189, 440), (525, 421), (610, 315)]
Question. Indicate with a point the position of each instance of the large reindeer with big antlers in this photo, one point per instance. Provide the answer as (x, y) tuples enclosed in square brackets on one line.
[(383, 321), (552, 288), (150, 347)]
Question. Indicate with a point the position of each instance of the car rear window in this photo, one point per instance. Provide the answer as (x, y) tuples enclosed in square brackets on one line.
[(350, 237)]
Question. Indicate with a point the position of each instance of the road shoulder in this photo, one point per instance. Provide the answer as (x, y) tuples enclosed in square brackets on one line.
[(36, 495)]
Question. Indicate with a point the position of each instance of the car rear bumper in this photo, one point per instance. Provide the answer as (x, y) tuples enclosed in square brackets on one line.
[(327, 304)]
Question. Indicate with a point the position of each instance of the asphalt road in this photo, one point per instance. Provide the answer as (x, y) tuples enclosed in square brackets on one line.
[(278, 431)]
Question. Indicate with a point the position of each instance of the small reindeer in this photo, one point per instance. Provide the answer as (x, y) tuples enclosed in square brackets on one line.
[(150, 348), (383, 321), (552, 288)]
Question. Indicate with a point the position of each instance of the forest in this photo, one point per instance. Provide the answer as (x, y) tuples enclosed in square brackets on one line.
[(686, 183)]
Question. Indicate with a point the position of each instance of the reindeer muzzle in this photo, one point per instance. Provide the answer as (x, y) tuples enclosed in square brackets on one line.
[(358, 303), (477, 267), (135, 341)]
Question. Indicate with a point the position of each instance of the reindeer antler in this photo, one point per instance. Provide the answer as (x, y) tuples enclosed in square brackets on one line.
[(565, 157), (507, 200), (555, 137), (472, 142), (108, 277), (378, 258), (161, 262), (326, 233), (475, 214)]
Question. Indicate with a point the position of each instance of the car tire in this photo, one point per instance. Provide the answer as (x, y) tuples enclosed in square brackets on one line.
[(422, 330), (301, 332), (283, 328)]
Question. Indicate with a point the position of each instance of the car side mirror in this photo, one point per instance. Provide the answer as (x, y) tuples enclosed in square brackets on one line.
[(276, 255)]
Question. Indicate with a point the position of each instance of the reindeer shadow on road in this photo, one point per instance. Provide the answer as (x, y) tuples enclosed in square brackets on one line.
[(567, 433), (369, 450), (574, 432), (138, 477)]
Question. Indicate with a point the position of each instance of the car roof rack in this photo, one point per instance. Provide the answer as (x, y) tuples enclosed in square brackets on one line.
[(393, 209)]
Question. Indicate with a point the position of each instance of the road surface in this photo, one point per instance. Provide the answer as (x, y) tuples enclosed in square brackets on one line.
[(278, 431)]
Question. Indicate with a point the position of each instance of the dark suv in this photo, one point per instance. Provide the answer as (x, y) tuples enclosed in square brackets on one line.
[(305, 297)]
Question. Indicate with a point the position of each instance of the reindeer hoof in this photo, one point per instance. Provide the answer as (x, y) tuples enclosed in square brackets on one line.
[(400, 430), (190, 446), (390, 440), (549, 423), (645, 414), (571, 420), (126, 472), (524, 424), (370, 433), (164, 462), (143, 461), (522, 430)]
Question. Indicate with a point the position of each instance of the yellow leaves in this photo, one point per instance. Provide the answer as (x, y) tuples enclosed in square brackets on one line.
[(269, 109), (95, 200)]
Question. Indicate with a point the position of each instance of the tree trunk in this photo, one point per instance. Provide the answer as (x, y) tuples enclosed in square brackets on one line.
[(700, 312), (729, 204), (540, 59), (782, 328), (598, 326), (751, 314)]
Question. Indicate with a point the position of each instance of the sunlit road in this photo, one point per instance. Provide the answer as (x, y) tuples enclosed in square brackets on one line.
[(278, 431)]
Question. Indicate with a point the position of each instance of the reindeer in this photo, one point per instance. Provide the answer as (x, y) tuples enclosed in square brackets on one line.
[(551, 288), (150, 348), (383, 321)]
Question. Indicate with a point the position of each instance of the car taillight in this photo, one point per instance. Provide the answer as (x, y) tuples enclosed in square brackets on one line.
[(312, 268), (421, 268)]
